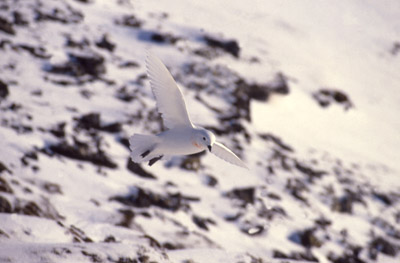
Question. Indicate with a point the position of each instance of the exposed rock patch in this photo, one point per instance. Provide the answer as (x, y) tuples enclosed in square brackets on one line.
[(83, 152), (92, 121), (6, 26), (326, 97), (138, 170), (3, 90), (145, 198), (230, 46)]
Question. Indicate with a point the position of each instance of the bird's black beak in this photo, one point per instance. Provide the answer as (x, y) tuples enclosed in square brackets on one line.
[(209, 147)]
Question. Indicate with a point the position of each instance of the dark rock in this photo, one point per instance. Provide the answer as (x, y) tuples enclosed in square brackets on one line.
[(52, 188), (279, 84), (20, 128), (3, 44), (92, 256), (38, 52), (30, 209), (270, 213), (261, 92), (59, 130), (274, 196), (323, 222), (145, 198), (91, 65), (351, 256), (244, 194), (129, 64), (306, 238), (5, 206), (395, 49), (276, 140), (344, 204), (15, 107), (124, 141), (130, 21), (84, 1), (126, 260), (110, 239), (81, 151), (89, 121), (37, 92), (153, 242), (39, 209), (79, 235), (3, 234), (211, 180), (202, 222), (128, 216), (76, 44), (3, 168), (192, 162), (64, 16), (307, 256), (387, 199), (125, 95), (80, 65), (92, 121), (381, 245), (29, 156), (310, 172), (208, 52), (387, 227), (6, 26), (170, 246), (327, 96), (229, 46), (242, 100), (164, 38), (144, 259), (138, 170), (19, 19), (296, 188), (106, 43), (157, 37), (234, 217), (253, 90), (112, 127), (232, 124), (59, 251), (4, 186), (3, 90)]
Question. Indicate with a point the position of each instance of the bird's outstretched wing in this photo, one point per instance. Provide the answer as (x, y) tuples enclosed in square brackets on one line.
[(224, 153), (170, 102)]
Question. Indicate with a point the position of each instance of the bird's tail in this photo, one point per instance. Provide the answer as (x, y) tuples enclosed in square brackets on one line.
[(142, 146)]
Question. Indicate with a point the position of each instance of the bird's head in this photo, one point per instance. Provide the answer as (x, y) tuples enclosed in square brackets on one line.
[(205, 139)]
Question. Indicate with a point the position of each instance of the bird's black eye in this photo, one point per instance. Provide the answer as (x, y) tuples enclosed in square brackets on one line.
[(204, 138)]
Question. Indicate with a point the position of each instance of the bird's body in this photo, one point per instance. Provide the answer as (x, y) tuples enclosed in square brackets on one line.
[(182, 137)]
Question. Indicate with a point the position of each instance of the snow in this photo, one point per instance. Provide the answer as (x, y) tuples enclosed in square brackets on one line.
[(343, 45)]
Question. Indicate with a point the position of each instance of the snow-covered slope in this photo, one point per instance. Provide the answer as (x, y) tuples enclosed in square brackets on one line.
[(305, 92)]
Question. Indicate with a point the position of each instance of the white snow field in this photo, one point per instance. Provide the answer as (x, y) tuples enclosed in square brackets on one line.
[(305, 92)]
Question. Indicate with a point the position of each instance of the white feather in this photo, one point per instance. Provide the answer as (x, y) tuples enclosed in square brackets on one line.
[(170, 102), (224, 153)]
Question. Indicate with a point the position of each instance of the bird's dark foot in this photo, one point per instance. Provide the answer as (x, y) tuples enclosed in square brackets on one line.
[(145, 153), (155, 159)]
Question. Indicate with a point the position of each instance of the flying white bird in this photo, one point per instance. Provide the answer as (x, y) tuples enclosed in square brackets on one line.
[(182, 136)]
